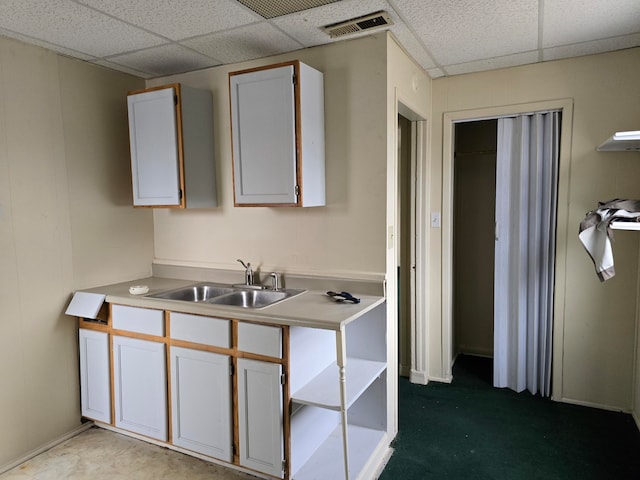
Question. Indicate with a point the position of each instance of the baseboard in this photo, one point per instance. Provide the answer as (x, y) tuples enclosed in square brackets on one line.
[(594, 405), (419, 378), (447, 379), (47, 446), (636, 419)]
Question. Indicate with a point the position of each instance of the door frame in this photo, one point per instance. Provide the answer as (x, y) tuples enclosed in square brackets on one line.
[(562, 225)]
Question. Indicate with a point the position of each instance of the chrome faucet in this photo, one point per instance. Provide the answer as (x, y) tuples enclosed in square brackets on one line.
[(248, 273), (275, 279)]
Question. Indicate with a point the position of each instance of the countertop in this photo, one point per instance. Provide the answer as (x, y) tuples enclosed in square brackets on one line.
[(311, 308)]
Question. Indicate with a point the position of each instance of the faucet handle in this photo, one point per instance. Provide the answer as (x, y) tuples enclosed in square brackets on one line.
[(247, 265)]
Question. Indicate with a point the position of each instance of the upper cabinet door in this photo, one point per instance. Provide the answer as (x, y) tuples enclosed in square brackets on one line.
[(153, 134), (264, 136), (277, 129), (172, 150)]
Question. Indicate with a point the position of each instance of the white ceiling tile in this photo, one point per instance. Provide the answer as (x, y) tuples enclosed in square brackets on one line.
[(591, 48), (73, 26), (575, 21), (306, 26), (244, 43), (493, 63), (435, 73), (466, 30), (178, 19), (43, 44), (122, 68), (412, 46), (164, 60)]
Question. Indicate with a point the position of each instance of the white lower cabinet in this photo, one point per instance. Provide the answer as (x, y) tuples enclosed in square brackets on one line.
[(260, 416), (336, 387), (201, 402), (140, 386), (95, 388)]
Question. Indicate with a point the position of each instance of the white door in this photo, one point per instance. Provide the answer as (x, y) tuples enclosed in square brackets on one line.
[(260, 416), (264, 136), (95, 392), (201, 402), (154, 148), (140, 386)]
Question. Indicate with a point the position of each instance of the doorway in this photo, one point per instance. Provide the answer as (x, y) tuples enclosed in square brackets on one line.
[(474, 236), (406, 252), (444, 343), (410, 256), (518, 297)]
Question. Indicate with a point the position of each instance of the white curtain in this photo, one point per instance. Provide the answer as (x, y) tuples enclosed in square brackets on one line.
[(526, 198)]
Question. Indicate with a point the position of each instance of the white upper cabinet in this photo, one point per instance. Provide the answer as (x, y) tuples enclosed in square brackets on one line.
[(277, 129), (171, 139)]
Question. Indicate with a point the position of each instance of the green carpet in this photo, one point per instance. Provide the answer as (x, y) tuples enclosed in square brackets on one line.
[(470, 430)]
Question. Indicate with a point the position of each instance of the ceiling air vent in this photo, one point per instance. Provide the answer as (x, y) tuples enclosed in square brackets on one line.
[(360, 24)]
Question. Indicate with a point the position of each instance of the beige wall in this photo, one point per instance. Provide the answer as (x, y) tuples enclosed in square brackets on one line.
[(597, 352), (344, 238), (60, 136)]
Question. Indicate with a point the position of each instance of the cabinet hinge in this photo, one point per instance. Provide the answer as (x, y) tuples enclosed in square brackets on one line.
[(283, 379), (233, 449), (294, 79), (231, 370), (296, 190), (180, 193), (175, 99), (284, 464)]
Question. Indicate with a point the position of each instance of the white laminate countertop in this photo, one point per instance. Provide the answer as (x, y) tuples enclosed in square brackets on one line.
[(311, 308)]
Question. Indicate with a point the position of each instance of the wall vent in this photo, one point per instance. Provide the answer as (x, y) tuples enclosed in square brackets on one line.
[(360, 24)]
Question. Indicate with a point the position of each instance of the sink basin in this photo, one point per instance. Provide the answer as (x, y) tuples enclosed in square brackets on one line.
[(238, 296), (194, 293), (253, 298)]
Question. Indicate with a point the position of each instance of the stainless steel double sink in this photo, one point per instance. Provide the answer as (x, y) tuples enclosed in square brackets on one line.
[(249, 296)]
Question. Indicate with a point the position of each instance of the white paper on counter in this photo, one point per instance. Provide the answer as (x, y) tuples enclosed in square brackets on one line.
[(85, 305)]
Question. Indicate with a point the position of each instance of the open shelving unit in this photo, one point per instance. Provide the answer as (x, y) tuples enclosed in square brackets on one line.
[(320, 445)]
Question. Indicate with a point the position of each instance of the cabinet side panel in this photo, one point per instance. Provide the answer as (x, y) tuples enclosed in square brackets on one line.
[(197, 139), (154, 148), (311, 351), (367, 336), (310, 428), (312, 136)]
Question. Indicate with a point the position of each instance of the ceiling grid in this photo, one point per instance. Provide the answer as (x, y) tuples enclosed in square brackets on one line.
[(151, 38)]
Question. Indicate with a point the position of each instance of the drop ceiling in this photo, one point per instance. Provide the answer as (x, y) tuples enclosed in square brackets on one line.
[(151, 38)]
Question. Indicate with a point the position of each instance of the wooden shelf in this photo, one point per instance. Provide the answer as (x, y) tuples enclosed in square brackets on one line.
[(625, 225), (324, 390), (327, 461)]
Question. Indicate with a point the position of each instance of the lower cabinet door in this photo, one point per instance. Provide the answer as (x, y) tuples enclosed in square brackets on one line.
[(140, 386), (201, 402), (95, 391), (260, 416)]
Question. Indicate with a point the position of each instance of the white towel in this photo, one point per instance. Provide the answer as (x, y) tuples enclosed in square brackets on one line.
[(596, 235)]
